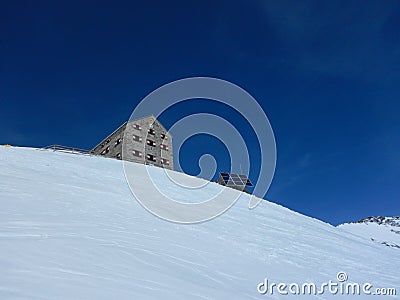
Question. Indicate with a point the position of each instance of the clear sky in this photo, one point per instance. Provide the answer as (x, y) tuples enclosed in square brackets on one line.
[(327, 74)]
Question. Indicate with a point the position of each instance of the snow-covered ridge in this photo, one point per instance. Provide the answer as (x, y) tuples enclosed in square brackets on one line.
[(381, 220), (379, 229), (71, 229)]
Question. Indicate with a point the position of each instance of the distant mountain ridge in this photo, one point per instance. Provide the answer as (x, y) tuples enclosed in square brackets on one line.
[(381, 220), (379, 229)]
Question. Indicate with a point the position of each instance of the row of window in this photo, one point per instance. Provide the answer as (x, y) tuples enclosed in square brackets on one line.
[(149, 142), (137, 153), (136, 138), (163, 136), (150, 131), (105, 151), (153, 144), (116, 143), (151, 157)]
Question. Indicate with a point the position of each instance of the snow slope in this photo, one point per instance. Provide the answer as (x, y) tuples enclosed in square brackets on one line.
[(382, 230), (71, 229)]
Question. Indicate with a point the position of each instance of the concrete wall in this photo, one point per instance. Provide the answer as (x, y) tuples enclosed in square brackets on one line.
[(111, 147)]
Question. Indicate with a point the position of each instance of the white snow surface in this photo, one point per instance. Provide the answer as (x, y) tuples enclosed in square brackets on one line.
[(71, 229)]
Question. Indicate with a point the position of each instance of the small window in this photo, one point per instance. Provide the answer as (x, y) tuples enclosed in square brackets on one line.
[(105, 151), (151, 131), (137, 127), (117, 142), (136, 138), (102, 146), (118, 156), (108, 141), (163, 136), (164, 147), (151, 157), (137, 153), (165, 161), (151, 143)]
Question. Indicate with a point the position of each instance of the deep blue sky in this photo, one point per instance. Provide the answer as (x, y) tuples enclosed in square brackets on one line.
[(327, 73)]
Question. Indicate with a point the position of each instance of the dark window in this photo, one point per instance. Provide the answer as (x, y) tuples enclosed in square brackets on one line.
[(151, 143), (137, 153), (137, 127), (163, 136), (151, 131), (107, 141), (164, 147), (136, 138), (105, 151), (151, 157), (165, 161), (118, 156), (117, 142)]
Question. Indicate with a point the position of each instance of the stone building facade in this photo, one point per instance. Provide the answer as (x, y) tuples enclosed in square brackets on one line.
[(148, 142)]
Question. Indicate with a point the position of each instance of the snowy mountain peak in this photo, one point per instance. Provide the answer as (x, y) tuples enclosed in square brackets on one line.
[(380, 220)]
